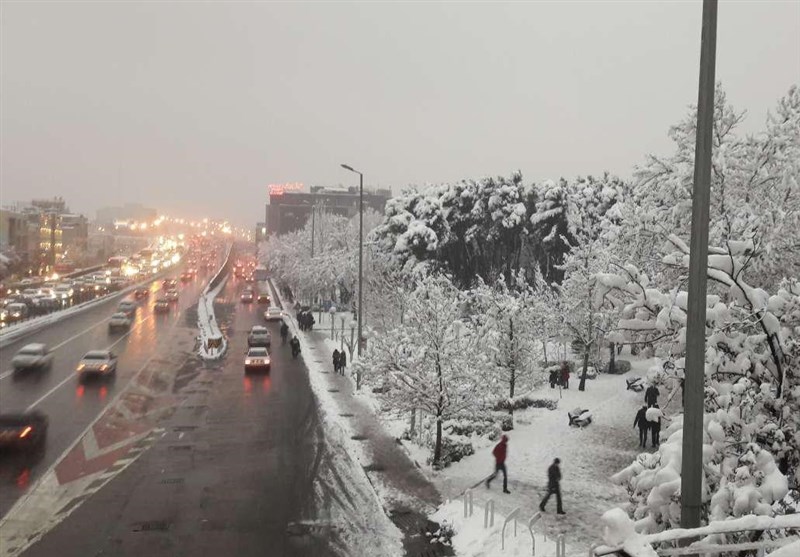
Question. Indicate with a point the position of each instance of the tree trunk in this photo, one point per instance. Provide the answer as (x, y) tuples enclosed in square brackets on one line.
[(437, 450), (582, 385), (412, 426), (612, 362)]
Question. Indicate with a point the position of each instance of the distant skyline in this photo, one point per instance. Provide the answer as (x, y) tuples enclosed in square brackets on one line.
[(194, 108)]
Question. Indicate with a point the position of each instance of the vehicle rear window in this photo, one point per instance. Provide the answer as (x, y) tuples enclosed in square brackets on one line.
[(30, 351), (258, 352), (95, 356)]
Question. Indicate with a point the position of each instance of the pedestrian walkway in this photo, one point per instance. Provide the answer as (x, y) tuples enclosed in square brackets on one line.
[(408, 497)]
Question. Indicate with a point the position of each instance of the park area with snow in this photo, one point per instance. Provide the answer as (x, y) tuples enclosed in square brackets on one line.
[(477, 292)]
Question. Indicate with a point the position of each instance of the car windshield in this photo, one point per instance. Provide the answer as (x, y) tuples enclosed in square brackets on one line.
[(31, 352), (119, 316), (95, 356), (257, 352)]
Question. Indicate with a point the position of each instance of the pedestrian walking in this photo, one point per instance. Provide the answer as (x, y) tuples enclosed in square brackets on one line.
[(553, 486), (553, 378), (642, 424), (565, 375), (337, 363), (342, 361), (284, 331), (654, 416), (500, 452), (651, 395)]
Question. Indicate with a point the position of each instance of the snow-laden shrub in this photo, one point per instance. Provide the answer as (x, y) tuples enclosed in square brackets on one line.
[(523, 402), (751, 449), (453, 450), (620, 367), (443, 535)]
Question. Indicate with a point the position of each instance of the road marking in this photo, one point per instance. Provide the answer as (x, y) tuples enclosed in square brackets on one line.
[(71, 376)]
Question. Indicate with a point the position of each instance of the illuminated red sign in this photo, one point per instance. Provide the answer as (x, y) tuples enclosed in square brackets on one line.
[(280, 189)]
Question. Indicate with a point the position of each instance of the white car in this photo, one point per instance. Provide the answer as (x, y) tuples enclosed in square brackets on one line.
[(273, 314), (32, 356), (119, 321), (257, 359), (97, 362), (259, 336)]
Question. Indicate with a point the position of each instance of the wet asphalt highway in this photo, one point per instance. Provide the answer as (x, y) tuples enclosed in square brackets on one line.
[(238, 471), (72, 406)]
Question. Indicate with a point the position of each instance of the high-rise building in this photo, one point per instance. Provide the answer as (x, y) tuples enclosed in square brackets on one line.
[(289, 209)]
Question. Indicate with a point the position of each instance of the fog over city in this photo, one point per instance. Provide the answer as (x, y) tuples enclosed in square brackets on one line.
[(169, 103)]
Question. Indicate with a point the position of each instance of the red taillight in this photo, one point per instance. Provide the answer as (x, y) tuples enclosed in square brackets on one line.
[(25, 432)]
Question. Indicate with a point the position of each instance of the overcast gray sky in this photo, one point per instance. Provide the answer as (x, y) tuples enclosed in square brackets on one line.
[(196, 107)]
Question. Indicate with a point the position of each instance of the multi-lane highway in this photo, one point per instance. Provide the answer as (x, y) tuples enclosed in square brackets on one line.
[(71, 405), (232, 463)]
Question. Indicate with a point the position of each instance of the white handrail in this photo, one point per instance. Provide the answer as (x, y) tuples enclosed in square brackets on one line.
[(488, 520), (531, 522), (561, 546), (468, 501), (511, 516)]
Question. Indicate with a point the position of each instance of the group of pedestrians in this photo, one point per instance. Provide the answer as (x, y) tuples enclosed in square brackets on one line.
[(560, 376), (305, 319), (500, 453), (339, 361), (648, 418)]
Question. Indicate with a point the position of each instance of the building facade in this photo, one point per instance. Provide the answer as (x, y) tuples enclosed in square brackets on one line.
[(288, 211)]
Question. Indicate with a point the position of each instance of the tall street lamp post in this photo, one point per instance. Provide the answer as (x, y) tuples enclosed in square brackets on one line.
[(360, 251)]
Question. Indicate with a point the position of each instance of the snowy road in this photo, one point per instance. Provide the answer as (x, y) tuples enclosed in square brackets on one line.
[(240, 466)]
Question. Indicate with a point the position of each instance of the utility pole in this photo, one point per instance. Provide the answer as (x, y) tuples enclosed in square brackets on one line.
[(313, 223), (692, 460), (360, 256)]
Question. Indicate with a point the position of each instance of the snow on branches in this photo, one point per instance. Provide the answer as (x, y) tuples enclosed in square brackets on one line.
[(430, 361), (752, 396)]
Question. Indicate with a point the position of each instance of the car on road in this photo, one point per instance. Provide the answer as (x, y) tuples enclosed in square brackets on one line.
[(273, 314), (162, 305), (259, 336), (16, 311), (169, 283), (32, 356), (257, 359), (247, 296), (101, 363), (171, 295), (263, 298), (119, 321), (23, 431), (250, 279), (128, 307), (141, 293), (186, 276)]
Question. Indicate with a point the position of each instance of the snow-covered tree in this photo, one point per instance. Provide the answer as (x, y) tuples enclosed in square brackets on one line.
[(431, 361), (752, 396), (507, 326), (754, 184)]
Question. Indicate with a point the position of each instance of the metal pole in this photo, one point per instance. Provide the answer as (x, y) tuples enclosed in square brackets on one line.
[(360, 256), (313, 214), (692, 463)]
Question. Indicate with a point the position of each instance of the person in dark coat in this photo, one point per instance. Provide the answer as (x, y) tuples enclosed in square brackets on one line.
[(500, 452), (553, 378), (565, 375), (654, 416), (337, 362), (342, 361), (643, 425), (651, 395), (553, 486)]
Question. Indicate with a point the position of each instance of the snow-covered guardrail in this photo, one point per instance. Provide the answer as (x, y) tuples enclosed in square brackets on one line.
[(213, 343), (621, 538)]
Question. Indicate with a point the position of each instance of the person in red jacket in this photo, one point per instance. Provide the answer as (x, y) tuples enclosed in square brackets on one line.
[(500, 451)]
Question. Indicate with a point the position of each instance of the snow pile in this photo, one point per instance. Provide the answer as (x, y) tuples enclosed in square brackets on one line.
[(213, 343), (619, 531)]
